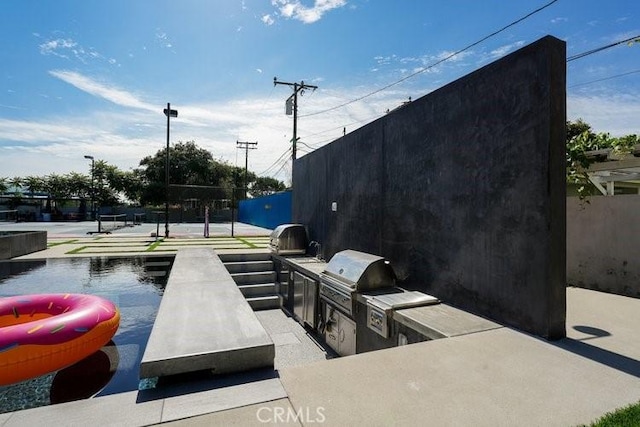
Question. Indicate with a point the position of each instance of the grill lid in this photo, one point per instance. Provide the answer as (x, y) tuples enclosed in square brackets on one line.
[(359, 270), (288, 239)]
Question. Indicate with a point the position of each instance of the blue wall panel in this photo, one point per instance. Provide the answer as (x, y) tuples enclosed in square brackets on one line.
[(268, 211)]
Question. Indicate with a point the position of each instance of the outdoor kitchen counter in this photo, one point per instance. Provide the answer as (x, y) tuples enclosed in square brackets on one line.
[(307, 265), (442, 321)]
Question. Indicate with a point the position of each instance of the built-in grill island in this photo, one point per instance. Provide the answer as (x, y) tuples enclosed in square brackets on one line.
[(358, 297)]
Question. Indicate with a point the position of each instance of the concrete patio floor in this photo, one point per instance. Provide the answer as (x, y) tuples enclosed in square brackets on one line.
[(500, 377), (496, 377)]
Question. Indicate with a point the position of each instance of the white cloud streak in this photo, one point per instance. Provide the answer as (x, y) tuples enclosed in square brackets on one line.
[(70, 49), (294, 9), (56, 143), (503, 50), (92, 87), (607, 112)]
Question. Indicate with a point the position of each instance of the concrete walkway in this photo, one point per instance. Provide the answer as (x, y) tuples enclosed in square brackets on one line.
[(499, 377)]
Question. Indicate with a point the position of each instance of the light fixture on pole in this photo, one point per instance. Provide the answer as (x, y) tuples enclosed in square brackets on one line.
[(93, 212), (169, 113)]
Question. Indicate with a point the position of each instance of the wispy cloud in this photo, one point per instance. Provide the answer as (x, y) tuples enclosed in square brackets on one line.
[(58, 47), (68, 48), (559, 20), (615, 113), (294, 9), (163, 40), (503, 50), (125, 136), (428, 63), (100, 90), (268, 20)]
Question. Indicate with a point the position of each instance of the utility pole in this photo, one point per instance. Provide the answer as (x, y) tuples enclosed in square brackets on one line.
[(292, 104), (247, 146)]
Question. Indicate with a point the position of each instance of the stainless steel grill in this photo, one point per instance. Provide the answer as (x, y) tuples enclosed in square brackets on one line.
[(349, 272), (288, 239)]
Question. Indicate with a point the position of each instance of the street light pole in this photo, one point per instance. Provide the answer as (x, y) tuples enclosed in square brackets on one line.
[(93, 212), (169, 113)]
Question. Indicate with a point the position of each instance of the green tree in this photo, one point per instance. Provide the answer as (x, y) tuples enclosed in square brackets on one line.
[(34, 184), (79, 185), (578, 127), (57, 187), (188, 165), (264, 186), (580, 141)]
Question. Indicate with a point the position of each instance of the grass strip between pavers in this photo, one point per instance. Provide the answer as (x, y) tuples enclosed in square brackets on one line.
[(153, 246), (246, 242), (174, 248), (66, 242), (111, 246), (186, 245), (76, 250), (123, 252)]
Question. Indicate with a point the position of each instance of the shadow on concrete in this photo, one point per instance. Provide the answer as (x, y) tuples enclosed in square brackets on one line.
[(196, 382), (590, 330), (613, 360)]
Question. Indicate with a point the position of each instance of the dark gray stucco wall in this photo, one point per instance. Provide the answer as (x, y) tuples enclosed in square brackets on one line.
[(463, 190)]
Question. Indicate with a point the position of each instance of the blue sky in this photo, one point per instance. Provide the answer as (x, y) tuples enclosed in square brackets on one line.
[(92, 77)]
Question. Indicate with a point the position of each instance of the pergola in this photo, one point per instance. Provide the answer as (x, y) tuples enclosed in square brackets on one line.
[(614, 171)]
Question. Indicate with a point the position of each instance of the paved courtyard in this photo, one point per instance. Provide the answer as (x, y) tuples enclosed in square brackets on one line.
[(79, 238)]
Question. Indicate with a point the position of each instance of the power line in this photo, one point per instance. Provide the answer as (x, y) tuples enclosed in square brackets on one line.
[(422, 70), (571, 58), (599, 49), (276, 162), (603, 79)]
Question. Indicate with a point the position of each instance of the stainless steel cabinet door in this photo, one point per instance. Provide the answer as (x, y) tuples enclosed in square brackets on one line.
[(310, 306), (298, 296), (347, 336)]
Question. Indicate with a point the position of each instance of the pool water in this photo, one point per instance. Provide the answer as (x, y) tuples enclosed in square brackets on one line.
[(135, 285)]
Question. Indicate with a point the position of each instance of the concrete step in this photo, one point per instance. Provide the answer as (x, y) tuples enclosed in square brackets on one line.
[(268, 302), (246, 256), (254, 278), (249, 266), (260, 289)]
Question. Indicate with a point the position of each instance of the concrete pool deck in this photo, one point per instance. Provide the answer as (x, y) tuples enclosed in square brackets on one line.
[(495, 377)]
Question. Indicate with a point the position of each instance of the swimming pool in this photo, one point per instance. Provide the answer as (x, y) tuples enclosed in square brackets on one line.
[(135, 285)]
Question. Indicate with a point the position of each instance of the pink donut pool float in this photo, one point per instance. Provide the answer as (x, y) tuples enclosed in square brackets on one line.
[(46, 332)]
